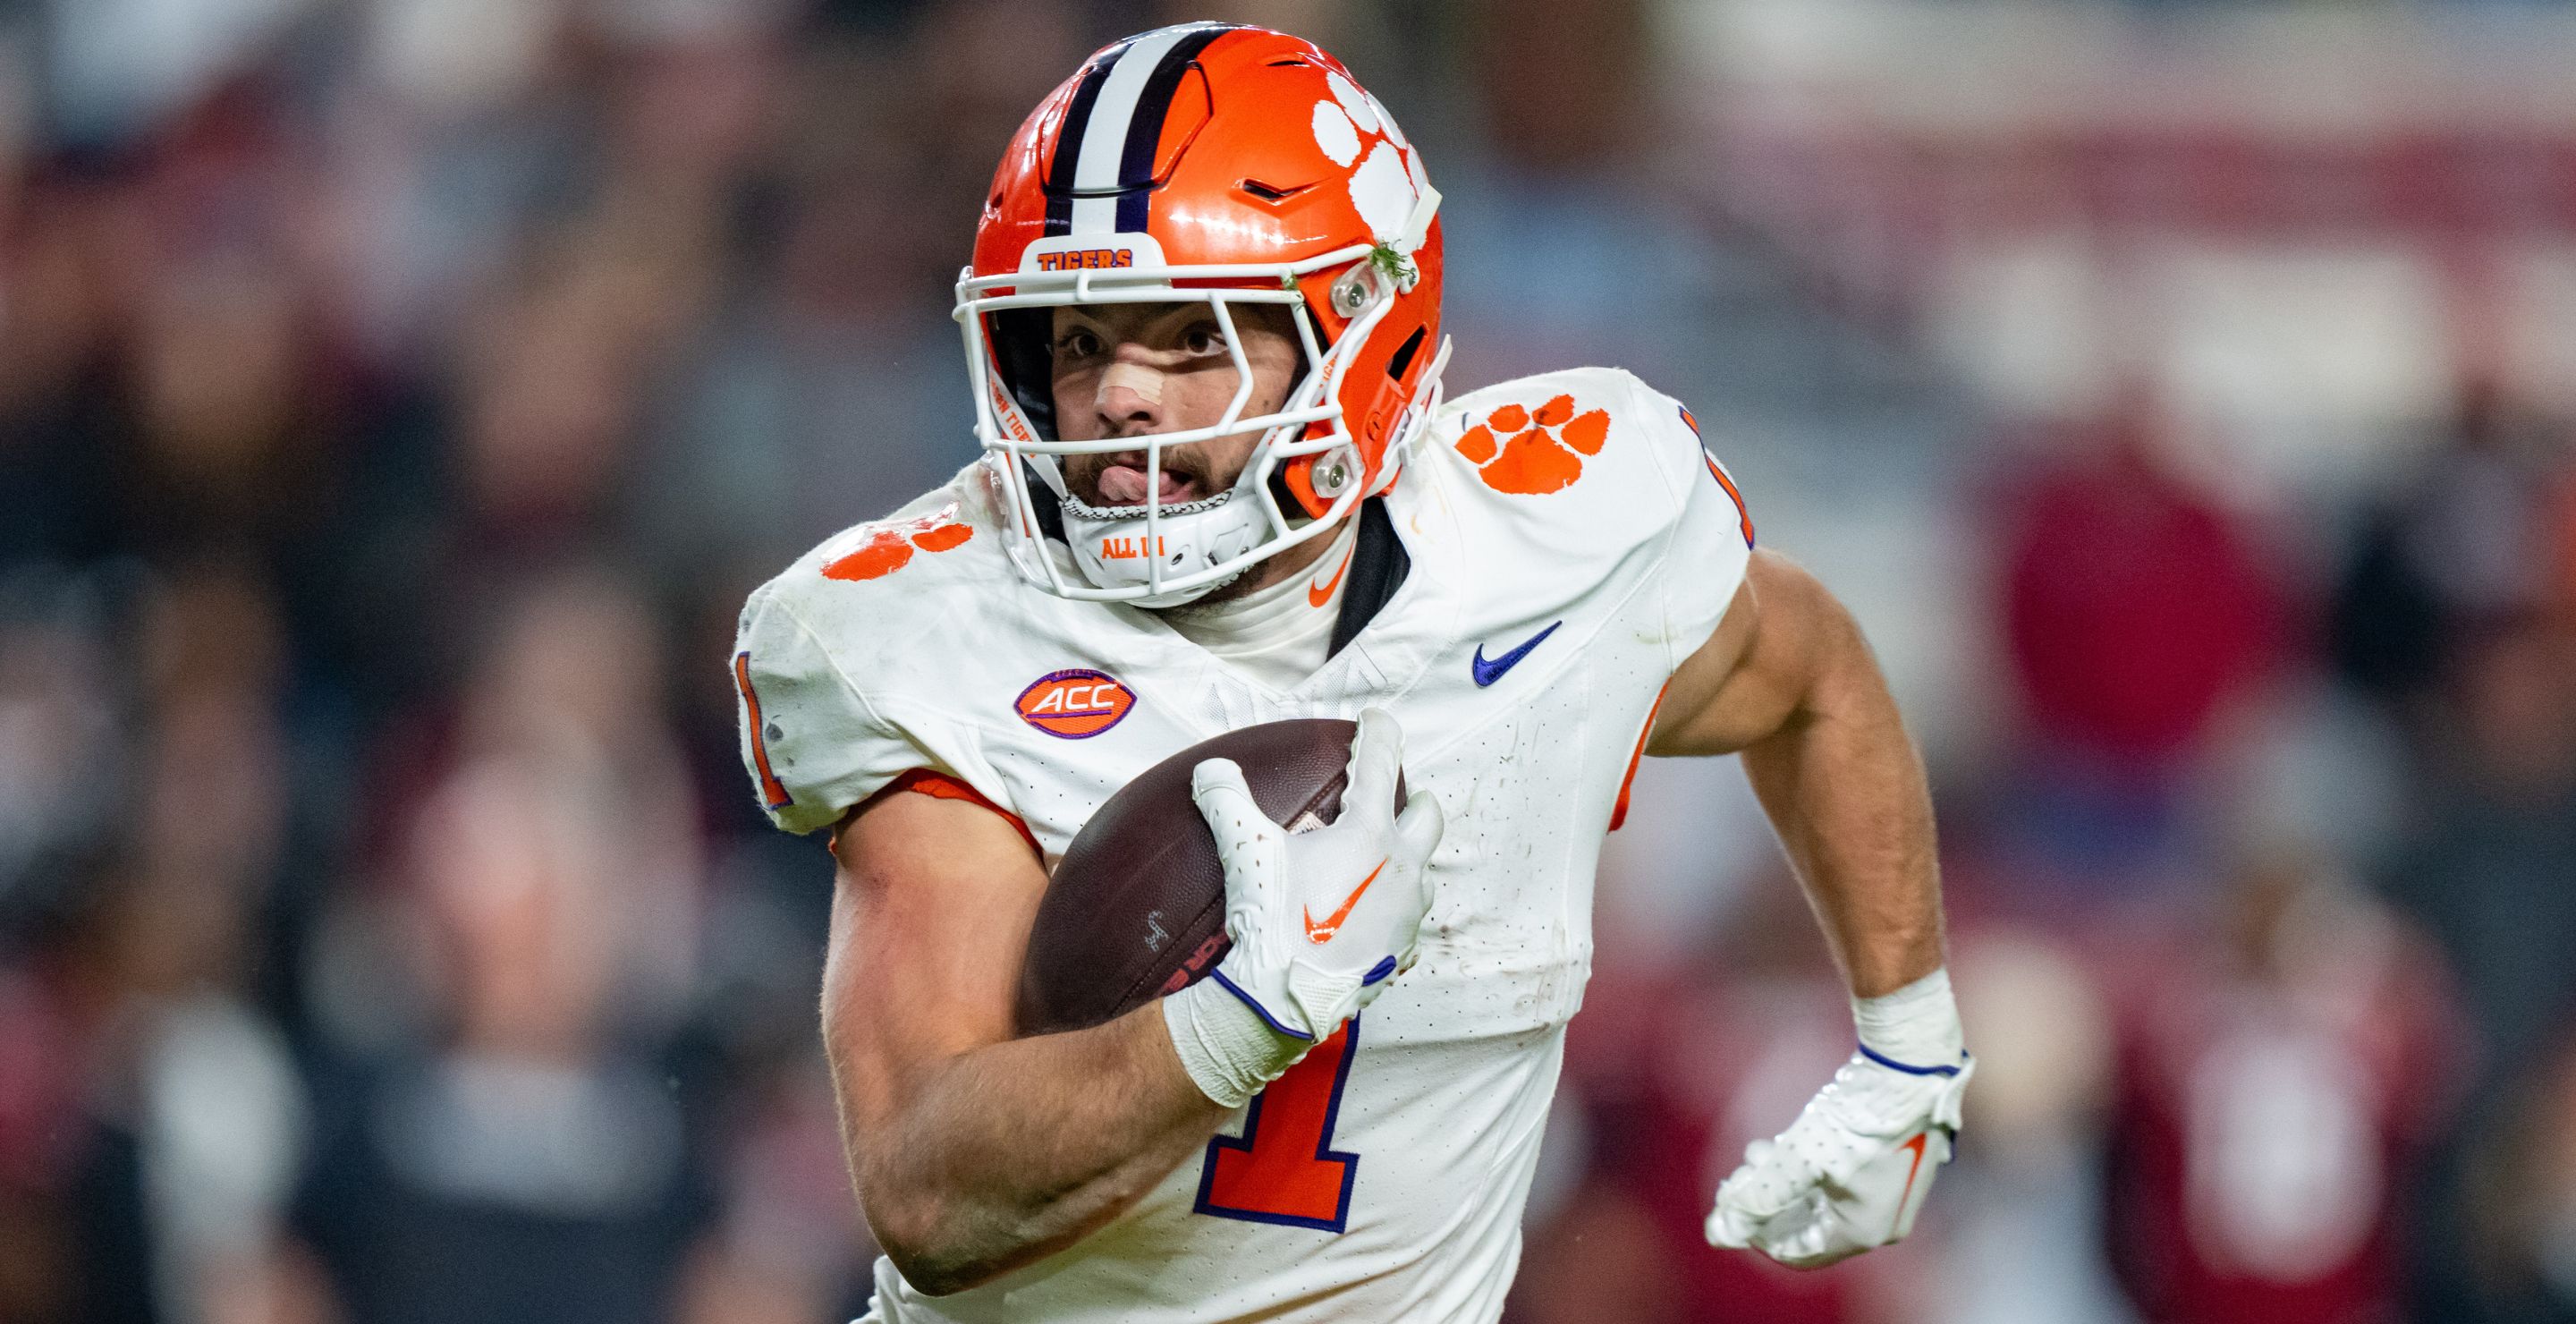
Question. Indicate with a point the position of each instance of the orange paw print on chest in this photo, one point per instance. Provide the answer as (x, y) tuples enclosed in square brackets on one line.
[(890, 547), (1532, 452)]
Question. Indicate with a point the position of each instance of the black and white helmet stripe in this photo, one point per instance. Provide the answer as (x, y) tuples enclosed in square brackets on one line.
[(1100, 178)]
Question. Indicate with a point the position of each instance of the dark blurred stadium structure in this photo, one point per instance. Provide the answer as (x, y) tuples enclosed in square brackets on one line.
[(398, 396)]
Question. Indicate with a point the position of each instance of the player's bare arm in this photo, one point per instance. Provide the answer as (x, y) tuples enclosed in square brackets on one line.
[(1789, 682), (975, 1153)]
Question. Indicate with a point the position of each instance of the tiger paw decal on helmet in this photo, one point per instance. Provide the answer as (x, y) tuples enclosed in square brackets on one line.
[(889, 546), (1542, 450), (1389, 179)]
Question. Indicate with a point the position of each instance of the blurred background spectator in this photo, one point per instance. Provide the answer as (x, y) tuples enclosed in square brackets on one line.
[(397, 398)]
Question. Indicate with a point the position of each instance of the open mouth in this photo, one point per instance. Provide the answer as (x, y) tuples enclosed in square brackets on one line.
[(1124, 483)]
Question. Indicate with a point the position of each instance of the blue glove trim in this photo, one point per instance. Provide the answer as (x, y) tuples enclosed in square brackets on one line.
[(1379, 971), (1257, 1008), (1893, 1065)]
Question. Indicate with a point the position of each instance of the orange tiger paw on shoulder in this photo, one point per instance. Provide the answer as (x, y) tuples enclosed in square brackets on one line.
[(889, 547), (1542, 450)]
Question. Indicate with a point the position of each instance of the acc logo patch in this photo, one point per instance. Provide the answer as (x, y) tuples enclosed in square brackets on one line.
[(1077, 704), (1541, 450)]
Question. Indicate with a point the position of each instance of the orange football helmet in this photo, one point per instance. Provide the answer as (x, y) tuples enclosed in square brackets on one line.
[(1230, 165)]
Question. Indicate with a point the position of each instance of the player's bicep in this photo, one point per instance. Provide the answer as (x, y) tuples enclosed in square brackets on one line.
[(1751, 676), (931, 908)]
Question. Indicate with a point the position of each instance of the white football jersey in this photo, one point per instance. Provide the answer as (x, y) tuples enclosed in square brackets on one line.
[(1570, 544)]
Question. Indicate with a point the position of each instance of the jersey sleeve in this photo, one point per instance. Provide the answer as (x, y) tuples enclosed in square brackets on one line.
[(1710, 546), (812, 742)]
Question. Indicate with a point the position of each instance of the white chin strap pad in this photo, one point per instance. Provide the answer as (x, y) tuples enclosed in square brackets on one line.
[(1113, 550)]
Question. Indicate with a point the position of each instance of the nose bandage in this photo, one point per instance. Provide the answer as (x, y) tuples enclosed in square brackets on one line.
[(1146, 382)]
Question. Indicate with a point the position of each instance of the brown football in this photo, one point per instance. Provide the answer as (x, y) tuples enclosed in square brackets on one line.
[(1137, 906)]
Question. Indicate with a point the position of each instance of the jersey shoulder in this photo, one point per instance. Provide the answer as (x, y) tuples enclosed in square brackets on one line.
[(886, 572), (1590, 464), (1586, 486), (828, 655), (1572, 446)]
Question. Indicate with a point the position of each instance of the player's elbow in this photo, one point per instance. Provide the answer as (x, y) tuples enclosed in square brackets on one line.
[(927, 1248), (944, 1240), (1834, 667), (934, 1275)]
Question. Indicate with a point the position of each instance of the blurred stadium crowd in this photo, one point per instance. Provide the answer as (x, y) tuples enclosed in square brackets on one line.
[(397, 398)]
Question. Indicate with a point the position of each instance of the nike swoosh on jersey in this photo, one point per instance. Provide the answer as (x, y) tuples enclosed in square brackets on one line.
[(1323, 933), (1487, 673), (1319, 594)]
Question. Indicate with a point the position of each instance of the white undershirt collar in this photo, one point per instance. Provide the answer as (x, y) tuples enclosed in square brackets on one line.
[(1281, 633)]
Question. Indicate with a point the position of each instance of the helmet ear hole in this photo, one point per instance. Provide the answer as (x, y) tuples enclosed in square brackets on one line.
[(1395, 367)]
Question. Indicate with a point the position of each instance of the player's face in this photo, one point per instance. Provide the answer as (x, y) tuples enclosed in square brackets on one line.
[(1129, 370)]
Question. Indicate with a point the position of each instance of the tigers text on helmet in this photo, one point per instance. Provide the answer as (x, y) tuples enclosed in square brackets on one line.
[(1227, 166)]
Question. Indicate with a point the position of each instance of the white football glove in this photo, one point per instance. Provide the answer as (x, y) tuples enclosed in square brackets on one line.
[(1851, 1173), (1320, 919)]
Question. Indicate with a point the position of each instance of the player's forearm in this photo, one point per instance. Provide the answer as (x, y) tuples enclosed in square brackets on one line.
[(1008, 1153), (1845, 790)]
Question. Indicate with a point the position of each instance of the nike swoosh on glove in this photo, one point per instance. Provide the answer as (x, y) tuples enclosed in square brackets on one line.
[(1320, 919), (1851, 1173)]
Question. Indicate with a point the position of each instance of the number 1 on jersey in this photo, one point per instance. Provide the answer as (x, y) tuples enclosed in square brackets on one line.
[(1285, 1169)]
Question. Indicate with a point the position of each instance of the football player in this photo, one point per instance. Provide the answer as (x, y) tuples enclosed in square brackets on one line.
[(1219, 486)]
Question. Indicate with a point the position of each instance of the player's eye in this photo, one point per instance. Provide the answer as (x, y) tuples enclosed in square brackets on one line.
[(1203, 338), (1077, 343)]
